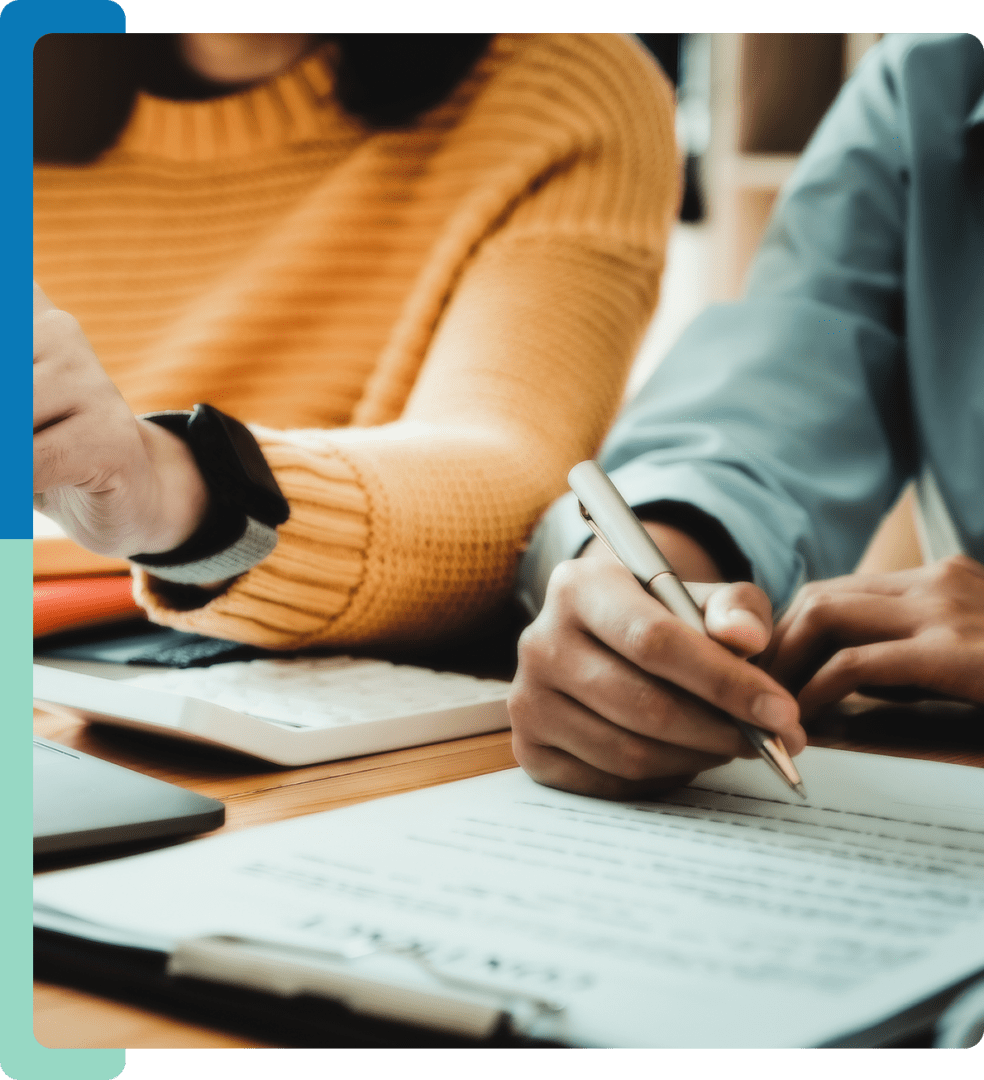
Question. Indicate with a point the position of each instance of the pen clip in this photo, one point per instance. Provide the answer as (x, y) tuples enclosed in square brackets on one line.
[(596, 529)]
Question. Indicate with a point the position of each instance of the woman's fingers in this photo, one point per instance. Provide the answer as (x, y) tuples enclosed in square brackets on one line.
[(41, 301), (117, 485)]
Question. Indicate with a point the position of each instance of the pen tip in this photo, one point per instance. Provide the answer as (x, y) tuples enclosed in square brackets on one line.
[(800, 790)]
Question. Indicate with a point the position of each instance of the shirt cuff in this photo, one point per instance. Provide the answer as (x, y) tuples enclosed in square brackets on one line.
[(561, 534), (762, 534)]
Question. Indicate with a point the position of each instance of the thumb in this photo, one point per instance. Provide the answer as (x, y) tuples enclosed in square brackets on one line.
[(739, 616)]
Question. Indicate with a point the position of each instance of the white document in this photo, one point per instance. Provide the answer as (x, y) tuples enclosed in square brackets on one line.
[(729, 914)]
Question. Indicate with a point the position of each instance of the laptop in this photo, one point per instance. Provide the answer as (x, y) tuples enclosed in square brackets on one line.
[(82, 802)]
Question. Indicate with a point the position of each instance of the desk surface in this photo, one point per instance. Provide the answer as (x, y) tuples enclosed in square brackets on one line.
[(255, 794)]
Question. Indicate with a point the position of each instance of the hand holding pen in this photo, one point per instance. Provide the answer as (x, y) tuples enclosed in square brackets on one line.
[(617, 697)]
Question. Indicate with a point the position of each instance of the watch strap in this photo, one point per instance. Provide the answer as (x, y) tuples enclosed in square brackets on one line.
[(229, 459), (245, 501), (254, 544)]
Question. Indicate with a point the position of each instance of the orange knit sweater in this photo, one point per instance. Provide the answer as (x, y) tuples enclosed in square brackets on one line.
[(425, 327)]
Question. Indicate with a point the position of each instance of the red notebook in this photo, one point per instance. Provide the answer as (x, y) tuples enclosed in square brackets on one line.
[(68, 603)]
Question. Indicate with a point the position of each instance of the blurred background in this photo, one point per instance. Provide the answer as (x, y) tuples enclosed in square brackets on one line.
[(747, 105)]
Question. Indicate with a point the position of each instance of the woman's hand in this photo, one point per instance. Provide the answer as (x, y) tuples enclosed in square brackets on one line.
[(117, 485), (921, 630), (615, 697)]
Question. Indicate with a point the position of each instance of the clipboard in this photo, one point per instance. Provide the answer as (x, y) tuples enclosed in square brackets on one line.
[(493, 909), (290, 1002), (288, 1011)]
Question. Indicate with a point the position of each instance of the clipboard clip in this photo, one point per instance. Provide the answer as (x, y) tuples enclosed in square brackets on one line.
[(459, 1006)]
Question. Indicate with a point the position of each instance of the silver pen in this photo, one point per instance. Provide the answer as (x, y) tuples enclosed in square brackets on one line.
[(617, 527)]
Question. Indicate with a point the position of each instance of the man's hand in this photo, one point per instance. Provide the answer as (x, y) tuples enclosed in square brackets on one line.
[(615, 697), (117, 485), (921, 629)]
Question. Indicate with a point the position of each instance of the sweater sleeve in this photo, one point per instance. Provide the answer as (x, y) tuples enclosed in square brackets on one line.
[(410, 531)]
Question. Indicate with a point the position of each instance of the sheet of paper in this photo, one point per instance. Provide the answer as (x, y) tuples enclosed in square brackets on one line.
[(727, 915)]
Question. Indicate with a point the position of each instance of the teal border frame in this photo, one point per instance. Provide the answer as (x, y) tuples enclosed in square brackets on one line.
[(22, 23)]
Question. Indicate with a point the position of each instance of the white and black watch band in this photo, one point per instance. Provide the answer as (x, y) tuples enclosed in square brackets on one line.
[(245, 502)]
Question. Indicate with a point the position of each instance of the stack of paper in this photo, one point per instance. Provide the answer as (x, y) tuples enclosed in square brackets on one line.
[(726, 915)]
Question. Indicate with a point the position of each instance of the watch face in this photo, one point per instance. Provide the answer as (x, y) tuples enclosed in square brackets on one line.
[(233, 465)]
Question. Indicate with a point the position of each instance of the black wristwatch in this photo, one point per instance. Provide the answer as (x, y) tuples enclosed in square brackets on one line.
[(246, 504)]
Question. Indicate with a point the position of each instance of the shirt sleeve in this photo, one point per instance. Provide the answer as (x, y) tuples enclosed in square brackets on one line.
[(786, 415)]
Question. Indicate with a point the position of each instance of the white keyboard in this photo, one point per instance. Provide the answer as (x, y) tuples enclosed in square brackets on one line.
[(320, 693), (292, 712)]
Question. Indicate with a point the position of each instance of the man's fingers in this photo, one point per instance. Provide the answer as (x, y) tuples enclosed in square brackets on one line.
[(609, 604), (617, 697), (571, 725), (610, 687), (739, 616), (556, 768), (929, 662), (823, 622), (887, 583)]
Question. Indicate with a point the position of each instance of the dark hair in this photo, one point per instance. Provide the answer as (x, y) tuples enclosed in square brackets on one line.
[(85, 84)]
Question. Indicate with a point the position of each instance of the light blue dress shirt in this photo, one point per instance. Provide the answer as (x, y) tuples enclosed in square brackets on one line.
[(855, 361)]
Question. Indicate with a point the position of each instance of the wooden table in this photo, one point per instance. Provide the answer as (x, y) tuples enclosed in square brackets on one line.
[(255, 794)]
